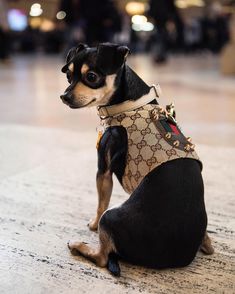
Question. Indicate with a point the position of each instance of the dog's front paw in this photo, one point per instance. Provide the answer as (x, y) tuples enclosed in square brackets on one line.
[(75, 247), (93, 225)]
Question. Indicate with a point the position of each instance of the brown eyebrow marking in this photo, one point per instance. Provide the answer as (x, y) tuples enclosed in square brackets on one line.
[(71, 67), (84, 68)]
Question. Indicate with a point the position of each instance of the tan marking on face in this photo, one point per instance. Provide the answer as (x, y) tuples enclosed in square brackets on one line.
[(83, 94), (84, 68), (71, 67)]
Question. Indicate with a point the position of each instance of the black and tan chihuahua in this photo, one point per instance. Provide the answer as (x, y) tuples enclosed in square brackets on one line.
[(163, 223)]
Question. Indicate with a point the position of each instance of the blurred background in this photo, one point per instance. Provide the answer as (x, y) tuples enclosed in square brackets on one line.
[(188, 46), (156, 26)]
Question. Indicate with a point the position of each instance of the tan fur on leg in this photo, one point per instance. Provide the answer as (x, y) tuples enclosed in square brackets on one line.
[(206, 246), (104, 187), (98, 256)]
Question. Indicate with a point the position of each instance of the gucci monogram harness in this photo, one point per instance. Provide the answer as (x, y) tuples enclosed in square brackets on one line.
[(153, 138)]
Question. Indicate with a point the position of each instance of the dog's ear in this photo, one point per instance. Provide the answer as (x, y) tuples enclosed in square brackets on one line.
[(72, 52), (110, 57)]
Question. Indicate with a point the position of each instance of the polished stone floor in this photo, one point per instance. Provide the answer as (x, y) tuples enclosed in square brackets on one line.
[(204, 99), (47, 178)]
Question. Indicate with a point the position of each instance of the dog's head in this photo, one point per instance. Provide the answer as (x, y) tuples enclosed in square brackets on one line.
[(91, 73)]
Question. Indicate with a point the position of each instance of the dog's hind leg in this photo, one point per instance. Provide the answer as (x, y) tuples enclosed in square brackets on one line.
[(104, 184), (206, 246), (100, 255)]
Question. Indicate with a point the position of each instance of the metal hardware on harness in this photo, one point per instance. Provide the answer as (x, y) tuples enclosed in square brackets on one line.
[(171, 109), (157, 89)]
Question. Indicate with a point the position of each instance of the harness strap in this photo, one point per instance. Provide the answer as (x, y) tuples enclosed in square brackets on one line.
[(106, 111)]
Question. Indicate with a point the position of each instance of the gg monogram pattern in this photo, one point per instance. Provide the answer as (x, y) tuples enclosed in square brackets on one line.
[(149, 144)]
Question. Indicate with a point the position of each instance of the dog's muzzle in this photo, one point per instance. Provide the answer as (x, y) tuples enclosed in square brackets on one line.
[(67, 97)]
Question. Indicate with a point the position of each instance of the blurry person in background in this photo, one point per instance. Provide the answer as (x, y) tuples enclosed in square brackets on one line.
[(102, 21), (192, 34), (162, 12), (74, 22), (4, 32), (91, 21), (122, 33), (227, 60), (215, 28)]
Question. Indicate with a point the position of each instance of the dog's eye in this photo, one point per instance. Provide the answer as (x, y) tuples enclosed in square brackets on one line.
[(91, 77)]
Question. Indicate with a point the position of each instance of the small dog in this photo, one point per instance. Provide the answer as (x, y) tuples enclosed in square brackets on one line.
[(163, 223)]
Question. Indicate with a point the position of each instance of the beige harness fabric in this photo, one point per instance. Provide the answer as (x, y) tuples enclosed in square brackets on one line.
[(150, 143)]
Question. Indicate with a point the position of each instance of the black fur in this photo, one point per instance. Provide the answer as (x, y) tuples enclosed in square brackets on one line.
[(129, 86), (110, 57), (163, 222), (114, 142), (113, 265)]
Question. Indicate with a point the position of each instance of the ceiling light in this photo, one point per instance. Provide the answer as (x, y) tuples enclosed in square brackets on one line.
[(61, 15), (182, 4), (144, 27), (47, 25), (138, 19), (35, 22), (35, 10), (36, 6), (188, 3), (135, 8), (198, 3)]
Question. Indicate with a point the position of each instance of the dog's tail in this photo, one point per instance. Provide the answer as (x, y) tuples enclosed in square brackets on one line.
[(113, 265)]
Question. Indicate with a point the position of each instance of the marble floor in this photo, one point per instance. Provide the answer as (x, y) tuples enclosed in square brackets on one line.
[(47, 178), (204, 99)]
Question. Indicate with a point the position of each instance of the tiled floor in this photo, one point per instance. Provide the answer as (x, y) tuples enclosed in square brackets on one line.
[(47, 179)]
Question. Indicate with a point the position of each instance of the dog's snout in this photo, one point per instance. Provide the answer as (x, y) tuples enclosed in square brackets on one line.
[(66, 97), (69, 99)]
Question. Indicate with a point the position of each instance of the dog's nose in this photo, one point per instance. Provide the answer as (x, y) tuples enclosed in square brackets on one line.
[(66, 97), (62, 96)]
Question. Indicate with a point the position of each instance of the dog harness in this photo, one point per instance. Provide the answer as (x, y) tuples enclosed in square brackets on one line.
[(153, 137)]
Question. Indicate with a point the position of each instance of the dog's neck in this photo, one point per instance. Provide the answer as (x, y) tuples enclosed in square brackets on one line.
[(129, 86)]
